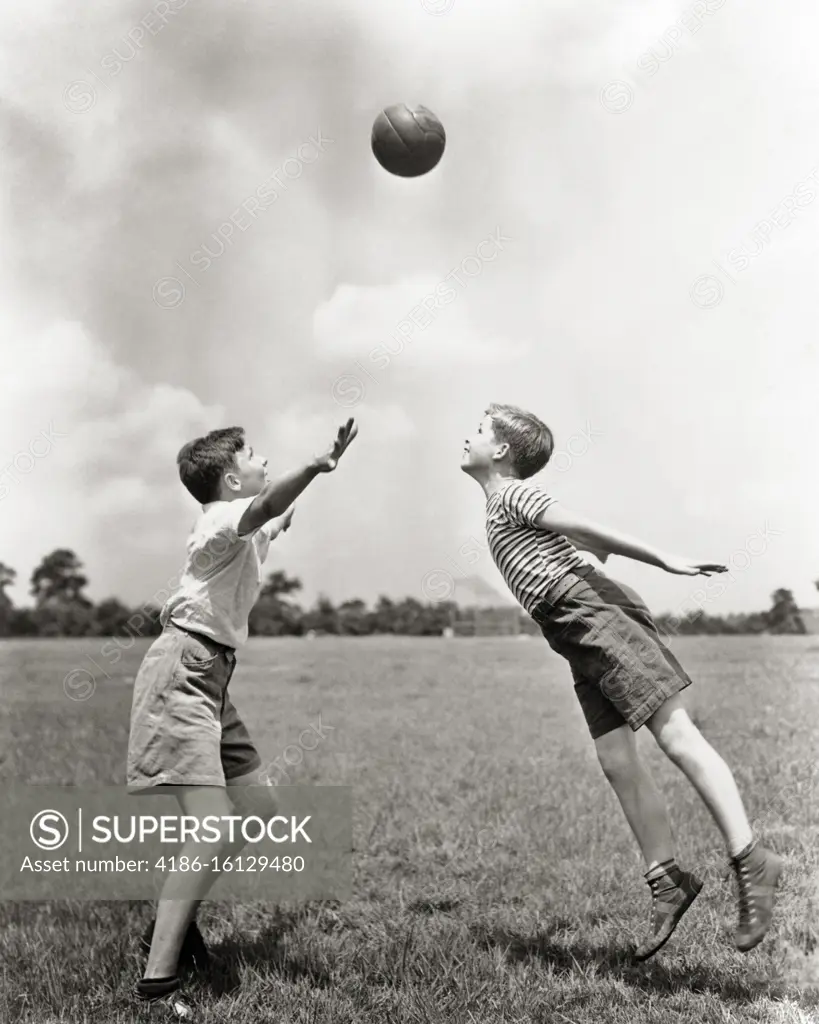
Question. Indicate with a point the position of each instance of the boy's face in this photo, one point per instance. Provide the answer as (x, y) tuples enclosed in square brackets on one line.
[(249, 476), (481, 449)]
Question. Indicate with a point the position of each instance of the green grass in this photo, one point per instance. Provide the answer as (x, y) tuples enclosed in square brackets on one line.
[(495, 877)]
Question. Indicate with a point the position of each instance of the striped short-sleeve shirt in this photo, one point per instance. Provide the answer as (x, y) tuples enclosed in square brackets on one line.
[(531, 560)]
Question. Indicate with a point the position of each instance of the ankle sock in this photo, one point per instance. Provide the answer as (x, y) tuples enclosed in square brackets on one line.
[(156, 988), (660, 869), (738, 853)]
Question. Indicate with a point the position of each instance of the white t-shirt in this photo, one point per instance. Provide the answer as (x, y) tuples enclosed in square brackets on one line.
[(222, 576)]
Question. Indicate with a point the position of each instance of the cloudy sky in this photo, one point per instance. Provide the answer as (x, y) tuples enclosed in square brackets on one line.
[(195, 234)]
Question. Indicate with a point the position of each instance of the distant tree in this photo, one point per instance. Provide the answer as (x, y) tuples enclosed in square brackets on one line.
[(412, 618), (110, 618), (383, 616), (23, 623), (692, 623), (59, 577), (63, 619), (697, 623), (354, 619), (273, 614), (279, 583), (60, 607), (7, 578), (784, 616), (755, 623), (438, 616), (323, 617)]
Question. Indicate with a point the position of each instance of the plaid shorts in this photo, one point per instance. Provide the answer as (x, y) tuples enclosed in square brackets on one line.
[(184, 729), (622, 670)]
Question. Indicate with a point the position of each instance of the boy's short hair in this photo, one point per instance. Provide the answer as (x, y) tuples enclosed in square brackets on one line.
[(203, 462), (530, 441)]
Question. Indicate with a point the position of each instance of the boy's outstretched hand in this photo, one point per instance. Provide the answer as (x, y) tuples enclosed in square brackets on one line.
[(327, 463), (681, 567)]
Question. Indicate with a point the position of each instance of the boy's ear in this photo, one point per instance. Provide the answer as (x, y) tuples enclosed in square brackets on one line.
[(232, 481), (501, 450)]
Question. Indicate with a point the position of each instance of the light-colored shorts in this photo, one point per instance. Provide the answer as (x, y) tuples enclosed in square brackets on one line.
[(184, 729)]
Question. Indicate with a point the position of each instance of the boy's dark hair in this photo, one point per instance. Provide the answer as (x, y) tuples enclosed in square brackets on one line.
[(203, 462), (530, 441)]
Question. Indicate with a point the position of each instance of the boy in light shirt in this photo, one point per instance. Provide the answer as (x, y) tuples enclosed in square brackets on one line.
[(185, 732)]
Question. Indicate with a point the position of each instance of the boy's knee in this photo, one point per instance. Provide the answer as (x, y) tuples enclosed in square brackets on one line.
[(618, 766), (618, 760), (678, 740), (255, 801)]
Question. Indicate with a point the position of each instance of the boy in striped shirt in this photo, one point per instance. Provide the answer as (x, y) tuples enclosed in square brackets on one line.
[(624, 676)]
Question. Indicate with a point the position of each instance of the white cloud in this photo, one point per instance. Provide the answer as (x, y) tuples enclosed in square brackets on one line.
[(88, 455), (420, 319)]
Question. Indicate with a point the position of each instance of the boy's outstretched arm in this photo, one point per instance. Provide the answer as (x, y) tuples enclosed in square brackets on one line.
[(592, 536), (276, 497)]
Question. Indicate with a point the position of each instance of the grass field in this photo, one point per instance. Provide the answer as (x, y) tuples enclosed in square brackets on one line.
[(495, 878)]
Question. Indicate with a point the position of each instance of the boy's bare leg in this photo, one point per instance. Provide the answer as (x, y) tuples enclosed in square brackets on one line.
[(672, 890), (685, 745), (182, 895), (757, 869), (639, 797)]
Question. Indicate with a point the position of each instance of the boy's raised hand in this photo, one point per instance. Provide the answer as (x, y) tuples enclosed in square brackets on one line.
[(682, 567), (327, 462)]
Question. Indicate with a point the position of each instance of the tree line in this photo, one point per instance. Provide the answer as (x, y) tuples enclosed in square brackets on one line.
[(61, 609)]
